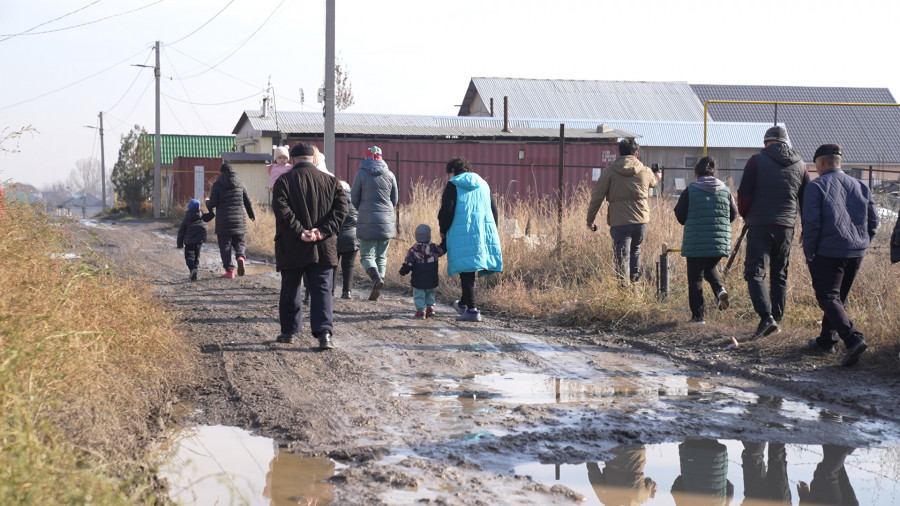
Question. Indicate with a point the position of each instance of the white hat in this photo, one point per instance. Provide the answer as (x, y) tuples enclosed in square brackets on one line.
[(282, 151)]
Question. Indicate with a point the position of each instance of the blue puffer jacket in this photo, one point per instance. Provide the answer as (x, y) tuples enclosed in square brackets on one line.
[(839, 216), (374, 194), (473, 242)]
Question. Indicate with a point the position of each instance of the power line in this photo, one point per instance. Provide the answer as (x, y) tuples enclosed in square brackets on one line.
[(7, 35), (72, 83), (136, 104), (186, 93), (136, 77), (217, 103), (47, 22), (235, 50), (201, 26), (172, 111)]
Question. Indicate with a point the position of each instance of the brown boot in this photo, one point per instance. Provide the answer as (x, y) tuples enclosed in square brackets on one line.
[(377, 283)]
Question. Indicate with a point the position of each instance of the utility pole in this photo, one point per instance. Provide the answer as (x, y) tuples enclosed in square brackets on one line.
[(157, 153), (328, 134), (102, 163)]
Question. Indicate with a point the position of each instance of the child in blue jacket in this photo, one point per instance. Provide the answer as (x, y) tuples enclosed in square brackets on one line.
[(422, 262)]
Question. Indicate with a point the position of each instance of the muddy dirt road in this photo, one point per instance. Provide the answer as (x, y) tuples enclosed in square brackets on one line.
[(500, 412)]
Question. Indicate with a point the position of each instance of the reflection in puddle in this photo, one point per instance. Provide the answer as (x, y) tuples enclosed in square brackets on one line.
[(708, 471), (227, 465), (253, 268)]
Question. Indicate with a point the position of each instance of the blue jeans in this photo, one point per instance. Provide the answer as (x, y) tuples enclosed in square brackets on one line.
[(373, 253), (423, 298), (627, 241)]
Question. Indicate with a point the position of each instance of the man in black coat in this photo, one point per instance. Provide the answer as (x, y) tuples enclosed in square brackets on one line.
[(309, 207), (228, 200)]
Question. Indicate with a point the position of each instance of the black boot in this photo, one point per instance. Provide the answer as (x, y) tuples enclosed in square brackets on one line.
[(325, 340), (377, 283)]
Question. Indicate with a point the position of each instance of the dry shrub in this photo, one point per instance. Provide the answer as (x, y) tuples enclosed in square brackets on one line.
[(565, 272), (91, 364)]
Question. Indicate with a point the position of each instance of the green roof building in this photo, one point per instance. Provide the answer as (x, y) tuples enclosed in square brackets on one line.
[(192, 146)]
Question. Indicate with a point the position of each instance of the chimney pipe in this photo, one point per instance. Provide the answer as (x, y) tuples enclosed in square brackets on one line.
[(506, 115), (492, 107), (265, 107)]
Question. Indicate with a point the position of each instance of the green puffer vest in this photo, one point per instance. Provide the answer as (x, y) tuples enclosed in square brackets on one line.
[(707, 231)]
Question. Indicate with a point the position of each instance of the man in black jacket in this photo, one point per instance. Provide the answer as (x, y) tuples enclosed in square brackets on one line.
[(309, 207), (769, 199), (228, 200)]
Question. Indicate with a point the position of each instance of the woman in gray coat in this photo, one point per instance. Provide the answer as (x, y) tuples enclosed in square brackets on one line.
[(374, 194)]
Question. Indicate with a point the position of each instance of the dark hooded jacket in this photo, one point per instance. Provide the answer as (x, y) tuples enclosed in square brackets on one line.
[(303, 199), (771, 189), (228, 199), (192, 229), (347, 240), (374, 194), (895, 242)]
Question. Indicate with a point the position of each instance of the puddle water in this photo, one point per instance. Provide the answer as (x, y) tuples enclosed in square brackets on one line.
[(258, 268), (709, 471), (227, 465)]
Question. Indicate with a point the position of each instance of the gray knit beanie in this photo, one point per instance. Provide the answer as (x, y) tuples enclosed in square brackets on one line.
[(423, 233)]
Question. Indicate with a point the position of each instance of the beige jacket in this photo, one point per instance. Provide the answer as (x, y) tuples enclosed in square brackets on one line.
[(626, 184)]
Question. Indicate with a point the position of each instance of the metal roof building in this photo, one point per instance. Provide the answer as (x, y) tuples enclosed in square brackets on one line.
[(868, 135), (192, 146), (560, 98)]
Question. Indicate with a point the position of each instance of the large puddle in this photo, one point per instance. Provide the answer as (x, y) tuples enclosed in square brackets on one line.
[(217, 465), (725, 472)]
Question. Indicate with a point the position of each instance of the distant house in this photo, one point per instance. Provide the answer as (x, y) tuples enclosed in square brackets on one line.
[(79, 205), (182, 180), (521, 159)]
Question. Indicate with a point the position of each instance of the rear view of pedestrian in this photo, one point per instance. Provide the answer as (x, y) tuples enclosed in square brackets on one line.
[(895, 242), (374, 194), (422, 261), (191, 236), (839, 221), (228, 200), (706, 209), (347, 245)]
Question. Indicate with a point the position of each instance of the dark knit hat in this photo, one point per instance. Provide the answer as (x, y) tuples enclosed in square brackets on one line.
[(303, 149), (777, 134), (226, 168), (827, 149), (193, 205), (423, 233)]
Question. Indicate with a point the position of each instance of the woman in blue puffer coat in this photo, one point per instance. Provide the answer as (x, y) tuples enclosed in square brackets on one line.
[(468, 222), (374, 194)]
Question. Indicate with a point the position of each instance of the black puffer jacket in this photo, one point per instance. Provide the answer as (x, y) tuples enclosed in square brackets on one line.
[(780, 181), (347, 240), (192, 229), (228, 199)]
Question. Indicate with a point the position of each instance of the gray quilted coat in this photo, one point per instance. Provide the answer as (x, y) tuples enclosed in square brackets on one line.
[(374, 194)]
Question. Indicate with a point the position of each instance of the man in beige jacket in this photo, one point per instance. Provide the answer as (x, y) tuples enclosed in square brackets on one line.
[(626, 184)]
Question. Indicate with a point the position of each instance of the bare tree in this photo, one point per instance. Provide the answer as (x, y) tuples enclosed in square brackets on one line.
[(7, 135), (343, 89), (85, 177)]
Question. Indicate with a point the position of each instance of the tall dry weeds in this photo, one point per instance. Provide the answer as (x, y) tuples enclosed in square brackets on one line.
[(90, 365)]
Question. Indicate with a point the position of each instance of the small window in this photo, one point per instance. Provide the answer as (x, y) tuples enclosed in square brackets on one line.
[(690, 162)]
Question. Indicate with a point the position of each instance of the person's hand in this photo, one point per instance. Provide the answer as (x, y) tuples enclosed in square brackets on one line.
[(308, 236), (592, 227), (319, 236), (252, 219)]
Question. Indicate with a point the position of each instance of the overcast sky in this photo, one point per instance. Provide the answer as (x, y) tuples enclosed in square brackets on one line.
[(64, 61)]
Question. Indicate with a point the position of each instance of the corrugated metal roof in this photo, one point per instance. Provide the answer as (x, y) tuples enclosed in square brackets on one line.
[(649, 133), (690, 133), (197, 146), (868, 135), (558, 98), (400, 125)]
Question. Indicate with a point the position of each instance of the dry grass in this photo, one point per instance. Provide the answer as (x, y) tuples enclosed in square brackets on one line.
[(90, 363)]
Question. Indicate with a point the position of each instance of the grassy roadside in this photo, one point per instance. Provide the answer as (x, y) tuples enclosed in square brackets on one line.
[(89, 366), (571, 282)]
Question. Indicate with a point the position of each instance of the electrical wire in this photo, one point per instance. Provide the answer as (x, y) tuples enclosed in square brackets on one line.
[(9, 36), (217, 103), (140, 98), (186, 93), (174, 116), (236, 49), (201, 26), (70, 84), (217, 70), (136, 77)]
